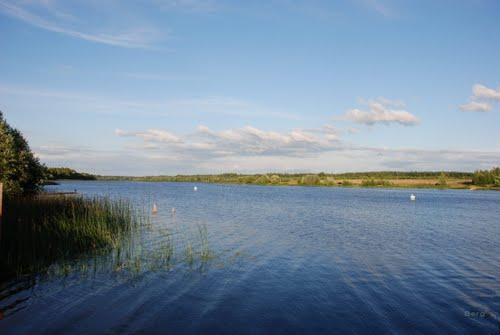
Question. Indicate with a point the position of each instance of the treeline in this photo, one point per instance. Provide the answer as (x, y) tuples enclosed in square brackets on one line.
[(487, 177), (484, 178), (67, 173), (308, 177), (379, 178), (402, 175)]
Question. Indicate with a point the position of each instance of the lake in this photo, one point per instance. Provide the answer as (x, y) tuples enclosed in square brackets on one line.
[(277, 260)]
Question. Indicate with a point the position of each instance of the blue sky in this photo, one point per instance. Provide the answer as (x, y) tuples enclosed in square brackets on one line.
[(206, 86)]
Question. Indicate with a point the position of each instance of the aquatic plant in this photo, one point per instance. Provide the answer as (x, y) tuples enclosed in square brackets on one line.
[(38, 230), (189, 253), (205, 253)]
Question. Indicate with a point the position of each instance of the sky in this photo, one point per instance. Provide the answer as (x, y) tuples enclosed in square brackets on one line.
[(207, 86)]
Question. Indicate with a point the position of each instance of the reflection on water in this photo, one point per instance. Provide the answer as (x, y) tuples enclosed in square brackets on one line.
[(249, 259), (157, 244), (154, 247)]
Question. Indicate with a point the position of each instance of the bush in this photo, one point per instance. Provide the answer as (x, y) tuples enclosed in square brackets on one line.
[(485, 177), (246, 179), (370, 182), (442, 180), (275, 179), (264, 179), (329, 181), (20, 171), (310, 179), (347, 183)]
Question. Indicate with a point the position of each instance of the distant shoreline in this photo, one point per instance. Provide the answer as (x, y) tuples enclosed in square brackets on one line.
[(383, 179)]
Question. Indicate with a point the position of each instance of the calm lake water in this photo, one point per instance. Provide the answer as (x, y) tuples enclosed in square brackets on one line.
[(278, 260)]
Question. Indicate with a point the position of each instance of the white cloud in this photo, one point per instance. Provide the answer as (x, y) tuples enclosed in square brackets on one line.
[(44, 15), (383, 111), (475, 106), (481, 99), (245, 141), (483, 92)]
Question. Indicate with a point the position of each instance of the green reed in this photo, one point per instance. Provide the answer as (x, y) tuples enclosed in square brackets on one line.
[(205, 253), (37, 231)]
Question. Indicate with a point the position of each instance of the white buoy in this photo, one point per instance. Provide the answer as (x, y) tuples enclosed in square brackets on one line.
[(195, 188), (413, 197), (173, 210), (155, 209)]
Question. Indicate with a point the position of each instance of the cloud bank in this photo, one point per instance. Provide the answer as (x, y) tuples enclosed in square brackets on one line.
[(138, 161), (245, 141)]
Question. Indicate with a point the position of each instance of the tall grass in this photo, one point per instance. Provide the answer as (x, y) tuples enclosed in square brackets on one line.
[(37, 231)]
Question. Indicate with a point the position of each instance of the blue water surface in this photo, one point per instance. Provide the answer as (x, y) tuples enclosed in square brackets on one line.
[(283, 260)]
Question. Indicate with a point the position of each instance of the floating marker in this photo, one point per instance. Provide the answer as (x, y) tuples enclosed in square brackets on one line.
[(173, 210), (195, 188), (155, 209), (413, 197)]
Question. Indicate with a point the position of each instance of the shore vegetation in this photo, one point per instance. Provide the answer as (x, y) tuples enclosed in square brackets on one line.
[(398, 179), (37, 228)]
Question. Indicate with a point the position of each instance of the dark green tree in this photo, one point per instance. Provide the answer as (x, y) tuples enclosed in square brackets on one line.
[(20, 171)]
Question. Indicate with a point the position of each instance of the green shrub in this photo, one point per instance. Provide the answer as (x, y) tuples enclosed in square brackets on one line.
[(264, 179), (442, 180), (485, 177), (275, 179), (370, 182), (310, 179), (20, 170), (346, 183)]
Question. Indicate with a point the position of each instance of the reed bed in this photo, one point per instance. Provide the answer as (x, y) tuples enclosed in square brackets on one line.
[(37, 231), (58, 235)]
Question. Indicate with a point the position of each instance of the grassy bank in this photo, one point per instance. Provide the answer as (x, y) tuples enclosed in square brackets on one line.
[(37, 231), (440, 180)]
